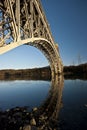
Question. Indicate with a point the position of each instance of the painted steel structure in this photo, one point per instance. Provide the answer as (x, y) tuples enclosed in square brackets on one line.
[(24, 22)]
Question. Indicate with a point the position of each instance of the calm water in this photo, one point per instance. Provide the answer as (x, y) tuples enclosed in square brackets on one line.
[(71, 96), (23, 93), (73, 115)]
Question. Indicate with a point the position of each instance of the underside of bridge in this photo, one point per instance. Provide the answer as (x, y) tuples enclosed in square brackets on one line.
[(23, 22)]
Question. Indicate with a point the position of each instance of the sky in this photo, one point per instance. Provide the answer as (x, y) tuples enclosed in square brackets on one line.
[(68, 23)]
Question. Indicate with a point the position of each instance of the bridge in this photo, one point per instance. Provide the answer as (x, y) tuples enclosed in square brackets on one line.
[(23, 22)]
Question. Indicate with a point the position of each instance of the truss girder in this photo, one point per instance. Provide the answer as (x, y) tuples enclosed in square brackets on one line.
[(24, 22)]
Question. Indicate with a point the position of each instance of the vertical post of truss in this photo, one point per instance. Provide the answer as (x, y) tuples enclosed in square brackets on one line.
[(38, 25), (31, 11), (2, 26), (18, 18)]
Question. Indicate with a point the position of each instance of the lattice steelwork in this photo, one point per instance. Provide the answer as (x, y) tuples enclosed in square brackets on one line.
[(24, 22)]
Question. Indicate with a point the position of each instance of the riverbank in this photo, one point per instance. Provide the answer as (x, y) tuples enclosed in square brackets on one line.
[(73, 72), (20, 118), (26, 74), (69, 72)]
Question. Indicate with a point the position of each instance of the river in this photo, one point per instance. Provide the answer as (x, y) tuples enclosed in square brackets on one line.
[(65, 100)]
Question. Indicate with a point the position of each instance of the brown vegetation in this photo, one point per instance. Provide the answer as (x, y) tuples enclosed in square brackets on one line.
[(44, 73), (79, 71), (36, 73)]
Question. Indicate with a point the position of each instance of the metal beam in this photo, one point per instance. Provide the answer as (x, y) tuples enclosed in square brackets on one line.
[(24, 22)]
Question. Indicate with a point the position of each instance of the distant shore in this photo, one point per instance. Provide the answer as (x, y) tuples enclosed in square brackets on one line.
[(69, 72), (79, 71), (26, 74)]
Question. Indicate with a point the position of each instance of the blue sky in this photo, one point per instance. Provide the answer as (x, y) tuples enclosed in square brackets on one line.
[(68, 22)]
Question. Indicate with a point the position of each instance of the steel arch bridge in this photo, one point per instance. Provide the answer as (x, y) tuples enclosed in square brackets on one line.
[(24, 22)]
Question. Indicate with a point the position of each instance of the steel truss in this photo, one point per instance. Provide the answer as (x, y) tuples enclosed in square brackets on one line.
[(24, 22)]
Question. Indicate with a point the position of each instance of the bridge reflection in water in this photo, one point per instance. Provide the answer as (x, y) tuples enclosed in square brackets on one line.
[(50, 109), (53, 103), (45, 117), (47, 114)]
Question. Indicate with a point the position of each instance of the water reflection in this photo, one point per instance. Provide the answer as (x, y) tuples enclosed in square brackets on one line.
[(51, 107), (53, 103), (44, 117), (23, 93)]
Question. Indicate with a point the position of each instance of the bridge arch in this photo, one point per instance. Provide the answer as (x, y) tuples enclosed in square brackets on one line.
[(49, 53), (24, 22)]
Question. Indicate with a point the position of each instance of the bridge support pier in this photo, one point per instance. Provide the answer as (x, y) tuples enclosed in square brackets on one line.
[(56, 69)]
